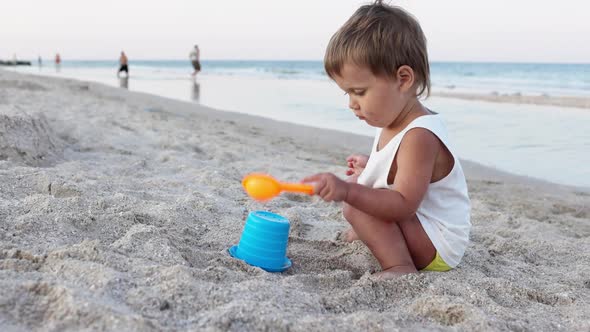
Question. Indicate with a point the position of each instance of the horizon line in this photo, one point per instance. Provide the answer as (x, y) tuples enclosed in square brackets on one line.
[(315, 60)]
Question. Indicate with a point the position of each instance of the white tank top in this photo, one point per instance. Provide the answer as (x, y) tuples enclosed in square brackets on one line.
[(445, 210)]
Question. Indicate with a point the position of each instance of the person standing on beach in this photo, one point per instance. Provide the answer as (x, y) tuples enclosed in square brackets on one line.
[(408, 200), (123, 64), (194, 56), (39, 61), (57, 62)]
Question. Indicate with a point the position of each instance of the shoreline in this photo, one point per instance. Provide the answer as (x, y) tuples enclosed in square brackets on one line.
[(117, 209), (565, 101), (348, 137), (578, 102)]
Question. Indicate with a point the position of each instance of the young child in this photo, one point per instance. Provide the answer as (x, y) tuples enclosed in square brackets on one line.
[(408, 200)]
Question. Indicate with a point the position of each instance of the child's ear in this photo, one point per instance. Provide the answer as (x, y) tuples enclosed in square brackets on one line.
[(405, 77)]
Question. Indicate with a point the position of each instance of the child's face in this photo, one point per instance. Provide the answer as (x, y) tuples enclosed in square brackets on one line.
[(378, 100)]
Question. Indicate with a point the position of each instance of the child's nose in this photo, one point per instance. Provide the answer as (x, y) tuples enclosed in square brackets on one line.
[(352, 104)]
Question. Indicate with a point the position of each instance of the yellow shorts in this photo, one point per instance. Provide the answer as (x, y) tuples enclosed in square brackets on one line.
[(437, 264)]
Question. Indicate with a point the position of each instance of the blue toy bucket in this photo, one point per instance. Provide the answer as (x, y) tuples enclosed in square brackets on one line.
[(264, 242)]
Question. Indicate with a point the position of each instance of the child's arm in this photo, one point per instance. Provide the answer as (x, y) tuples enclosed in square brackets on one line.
[(415, 161)]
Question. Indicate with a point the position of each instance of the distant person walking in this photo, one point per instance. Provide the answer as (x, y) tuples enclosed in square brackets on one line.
[(194, 56), (57, 62), (39, 61), (123, 64)]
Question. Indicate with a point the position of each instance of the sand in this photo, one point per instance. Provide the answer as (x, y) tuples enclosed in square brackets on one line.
[(117, 210), (518, 98)]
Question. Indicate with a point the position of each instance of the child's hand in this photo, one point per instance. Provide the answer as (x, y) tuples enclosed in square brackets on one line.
[(352, 179), (356, 164), (329, 187)]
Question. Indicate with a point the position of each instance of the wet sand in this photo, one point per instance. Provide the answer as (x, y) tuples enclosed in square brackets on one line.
[(517, 98)]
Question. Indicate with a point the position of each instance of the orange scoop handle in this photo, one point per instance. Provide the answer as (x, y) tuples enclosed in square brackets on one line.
[(297, 187)]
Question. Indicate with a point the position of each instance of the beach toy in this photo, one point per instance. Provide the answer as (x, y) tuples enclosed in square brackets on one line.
[(263, 187), (264, 242)]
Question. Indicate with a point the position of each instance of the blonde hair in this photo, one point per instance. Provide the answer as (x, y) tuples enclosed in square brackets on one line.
[(383, 38)]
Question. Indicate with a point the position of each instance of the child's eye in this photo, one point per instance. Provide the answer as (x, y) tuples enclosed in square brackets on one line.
[(356, 92)]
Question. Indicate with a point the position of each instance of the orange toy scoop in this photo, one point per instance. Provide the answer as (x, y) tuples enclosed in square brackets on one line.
[(263, 187)]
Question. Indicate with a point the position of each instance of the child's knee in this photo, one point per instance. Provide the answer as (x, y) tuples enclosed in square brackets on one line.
[(349, 212)]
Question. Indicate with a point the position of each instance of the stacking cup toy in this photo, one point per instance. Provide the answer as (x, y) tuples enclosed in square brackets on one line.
[(264, 242)]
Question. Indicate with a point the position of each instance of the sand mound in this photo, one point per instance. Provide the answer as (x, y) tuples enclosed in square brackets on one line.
[(29, 139), (21, 85)]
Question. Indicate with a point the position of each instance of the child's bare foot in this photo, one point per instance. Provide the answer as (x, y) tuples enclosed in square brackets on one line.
[(395, 272), (350, 235)]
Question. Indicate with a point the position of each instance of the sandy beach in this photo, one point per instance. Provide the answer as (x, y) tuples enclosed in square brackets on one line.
[(117, 209), (517, 98)]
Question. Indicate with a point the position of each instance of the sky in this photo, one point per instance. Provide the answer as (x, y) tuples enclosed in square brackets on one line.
[(457, 30)]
